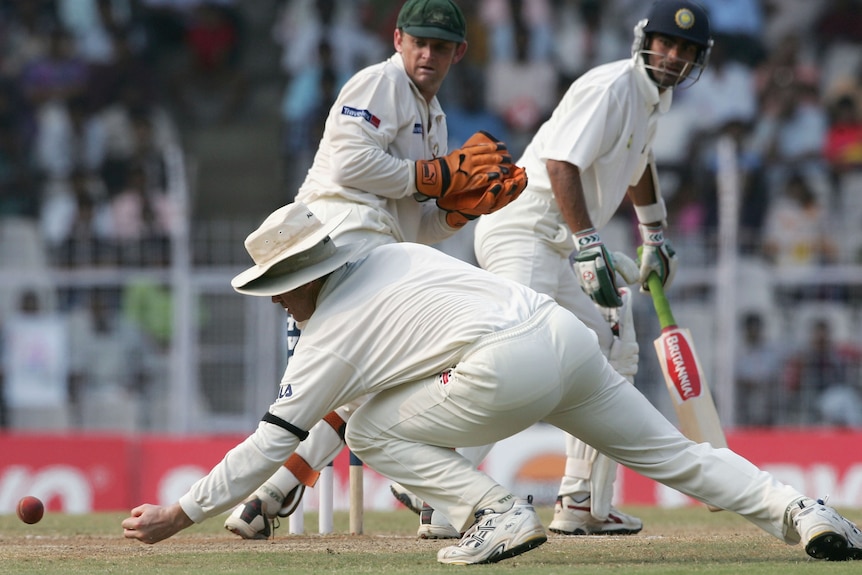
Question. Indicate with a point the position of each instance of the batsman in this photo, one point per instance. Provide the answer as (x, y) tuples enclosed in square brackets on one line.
[(595, 150)]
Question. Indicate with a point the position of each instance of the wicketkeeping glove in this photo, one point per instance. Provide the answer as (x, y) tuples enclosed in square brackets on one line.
[(483, 159), (465, 205), (655, 255)]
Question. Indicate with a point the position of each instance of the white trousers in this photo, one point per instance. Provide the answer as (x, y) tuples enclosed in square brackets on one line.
[(533, 249), (549, 369)]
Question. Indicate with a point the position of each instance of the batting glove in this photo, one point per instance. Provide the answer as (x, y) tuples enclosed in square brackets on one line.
[(656, 255), (594, 267), (624, 353)]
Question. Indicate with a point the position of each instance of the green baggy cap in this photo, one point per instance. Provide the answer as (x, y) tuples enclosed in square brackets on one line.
[(440, 19)]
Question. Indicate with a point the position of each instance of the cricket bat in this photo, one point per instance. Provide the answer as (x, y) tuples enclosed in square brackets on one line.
[(689, 391)]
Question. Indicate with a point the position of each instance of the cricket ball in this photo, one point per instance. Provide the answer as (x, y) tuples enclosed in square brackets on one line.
[(30, 509)]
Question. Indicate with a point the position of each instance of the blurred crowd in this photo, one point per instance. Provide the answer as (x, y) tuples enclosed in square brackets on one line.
[(95, 93)]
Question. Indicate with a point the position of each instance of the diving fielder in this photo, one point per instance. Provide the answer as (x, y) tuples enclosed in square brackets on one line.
[(594, 150), (382, 157), (443, 350)]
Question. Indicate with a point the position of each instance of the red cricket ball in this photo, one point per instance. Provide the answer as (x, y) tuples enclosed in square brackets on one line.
[(30, 509)]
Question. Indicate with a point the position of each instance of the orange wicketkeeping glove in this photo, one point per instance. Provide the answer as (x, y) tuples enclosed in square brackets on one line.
[(467, 205), (481, 160)]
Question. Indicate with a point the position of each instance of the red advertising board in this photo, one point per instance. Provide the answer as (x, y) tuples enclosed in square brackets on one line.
[(71, 473), (83, 473)]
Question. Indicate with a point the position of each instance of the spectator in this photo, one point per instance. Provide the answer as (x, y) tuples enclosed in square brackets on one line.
[(790, 63), (211, 85), (345, 25), (741, 25), (26, 34), (135, 130), (68, 137), (824, 378), (107, 362), (523, 91), (306, 103), (726, 92), (93, 23), (36, 363), (790, 134), (71, 216), (142, 219), (56, 76), (583, 38), (839, 21), (126, 70), (19, 182), (467, 113), (759, 364), (843, 143), (17, 133), (797, 232), (503, 18)]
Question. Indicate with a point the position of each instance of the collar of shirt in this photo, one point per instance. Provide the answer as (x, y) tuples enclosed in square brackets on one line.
[(654, 99), (435, 110)]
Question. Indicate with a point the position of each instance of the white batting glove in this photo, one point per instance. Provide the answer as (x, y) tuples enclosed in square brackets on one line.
[(656, 255), (624, 353)]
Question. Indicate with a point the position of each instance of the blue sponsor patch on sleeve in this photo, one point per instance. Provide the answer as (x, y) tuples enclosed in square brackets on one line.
[(364, 114)]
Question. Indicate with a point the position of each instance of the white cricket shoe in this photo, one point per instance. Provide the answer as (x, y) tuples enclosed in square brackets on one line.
[(572, 518), (826, 534), (434, 525), (252, 519), (406, 498), (249, 520), (497, 536)]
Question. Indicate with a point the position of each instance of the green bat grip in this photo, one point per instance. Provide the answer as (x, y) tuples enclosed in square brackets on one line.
[(659, 301)]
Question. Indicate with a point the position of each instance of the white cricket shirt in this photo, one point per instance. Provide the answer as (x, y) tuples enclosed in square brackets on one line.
[(403, 313), (604, 124), (377, 127)]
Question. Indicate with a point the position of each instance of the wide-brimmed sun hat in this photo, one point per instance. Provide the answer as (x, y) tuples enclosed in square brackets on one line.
[(291, 248)]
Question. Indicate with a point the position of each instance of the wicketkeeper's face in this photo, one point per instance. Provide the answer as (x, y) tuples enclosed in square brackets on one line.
[(427, 60)]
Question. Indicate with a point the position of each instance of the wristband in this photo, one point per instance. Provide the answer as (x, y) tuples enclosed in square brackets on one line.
[(587, 238), (650, 213), (652, 235)]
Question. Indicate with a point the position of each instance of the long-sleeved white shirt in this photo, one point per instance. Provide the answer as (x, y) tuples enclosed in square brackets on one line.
[(402, 313), (376, 129)]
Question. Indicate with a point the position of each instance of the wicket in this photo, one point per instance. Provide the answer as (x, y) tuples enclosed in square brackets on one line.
[(325, 488)]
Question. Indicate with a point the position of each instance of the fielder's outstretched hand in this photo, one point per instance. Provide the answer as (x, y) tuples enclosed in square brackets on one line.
[(154, 523)]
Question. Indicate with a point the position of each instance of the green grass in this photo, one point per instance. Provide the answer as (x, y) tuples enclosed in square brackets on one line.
[(683, 541)]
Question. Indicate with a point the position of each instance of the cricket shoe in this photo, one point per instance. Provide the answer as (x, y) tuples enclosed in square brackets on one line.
[(406, 498), (572, 518), (434, 525), (826, 534), (252, 519), (497, 536)]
